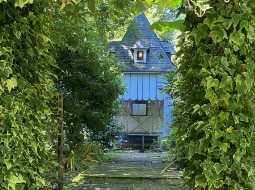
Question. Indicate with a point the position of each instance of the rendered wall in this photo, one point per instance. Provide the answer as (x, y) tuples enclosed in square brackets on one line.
[(149, 124)]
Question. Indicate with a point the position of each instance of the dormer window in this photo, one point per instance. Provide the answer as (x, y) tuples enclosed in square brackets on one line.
[(140, 55)]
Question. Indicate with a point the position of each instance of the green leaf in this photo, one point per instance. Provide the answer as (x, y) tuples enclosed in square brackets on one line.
[(218, 168), (200, 181), (218, 134), (226, 83), (8, 164), (237, 156), (171, 3), (229, 130), (237, 38), (236, 119), (213, 122), (191, 150), (92, 5), (3, 1), (224, 147), (40, 181), (226, 98), (15, 179), (200, 32), (210, 21), (165, 3), (218, 34), (211, 96), (168, 26), (227, 23), (244, 118), (250, 33), (196, 108), (78, 178), (22, 3), (238, 80), (11, 83), (224, 116), (251, 172), (211, 82)]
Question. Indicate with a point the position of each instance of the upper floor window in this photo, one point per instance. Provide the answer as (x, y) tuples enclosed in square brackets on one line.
[(139, 108), (140, 55)]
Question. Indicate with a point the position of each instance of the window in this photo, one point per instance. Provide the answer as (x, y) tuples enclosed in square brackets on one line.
[(140, 55), (139, 108)]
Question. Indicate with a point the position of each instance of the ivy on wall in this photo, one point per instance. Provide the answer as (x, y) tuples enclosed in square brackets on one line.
[(25, 91)]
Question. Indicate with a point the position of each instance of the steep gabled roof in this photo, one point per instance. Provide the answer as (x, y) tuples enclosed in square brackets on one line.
[(168, 48), (140, 35), (139, 29)]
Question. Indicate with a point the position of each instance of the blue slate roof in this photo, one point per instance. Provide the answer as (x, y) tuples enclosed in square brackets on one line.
[(140, 35)]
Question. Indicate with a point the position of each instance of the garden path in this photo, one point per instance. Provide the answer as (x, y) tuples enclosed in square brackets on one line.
[(132, 170)]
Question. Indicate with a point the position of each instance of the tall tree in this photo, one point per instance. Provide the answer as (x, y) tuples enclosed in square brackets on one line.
[(89, 76)]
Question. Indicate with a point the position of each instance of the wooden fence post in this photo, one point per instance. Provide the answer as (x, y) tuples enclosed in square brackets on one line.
[(60, 141)]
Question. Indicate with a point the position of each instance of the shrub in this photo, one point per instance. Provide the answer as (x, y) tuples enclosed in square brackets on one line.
[(86, 152), (214, 92), (26, 90)]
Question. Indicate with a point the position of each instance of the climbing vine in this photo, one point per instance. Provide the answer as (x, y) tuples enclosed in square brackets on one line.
[(214, 93), (25, 91)]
